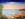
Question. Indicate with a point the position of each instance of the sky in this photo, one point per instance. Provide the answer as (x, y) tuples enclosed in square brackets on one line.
[(12, 5), (4, 1), (13, 2)]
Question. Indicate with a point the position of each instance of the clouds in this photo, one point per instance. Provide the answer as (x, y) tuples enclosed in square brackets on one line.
[(13, 6)]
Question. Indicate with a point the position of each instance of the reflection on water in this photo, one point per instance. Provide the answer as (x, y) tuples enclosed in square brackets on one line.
[(20, 17), (10, 12)]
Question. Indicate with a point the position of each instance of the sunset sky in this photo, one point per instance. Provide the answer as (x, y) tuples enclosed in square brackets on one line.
[(12, 5)]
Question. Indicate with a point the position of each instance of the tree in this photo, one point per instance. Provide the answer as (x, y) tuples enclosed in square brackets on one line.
[(1, 7)]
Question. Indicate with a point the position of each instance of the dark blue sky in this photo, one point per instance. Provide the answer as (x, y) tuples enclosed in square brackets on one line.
[(3, 1)]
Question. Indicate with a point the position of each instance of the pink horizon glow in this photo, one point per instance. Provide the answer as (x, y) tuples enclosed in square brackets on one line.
[(6, 6)]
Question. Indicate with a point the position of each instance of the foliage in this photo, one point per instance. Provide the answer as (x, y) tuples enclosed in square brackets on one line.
[(1, 7)]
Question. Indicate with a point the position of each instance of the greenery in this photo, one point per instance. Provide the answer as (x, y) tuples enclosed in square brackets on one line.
[(1, 7)]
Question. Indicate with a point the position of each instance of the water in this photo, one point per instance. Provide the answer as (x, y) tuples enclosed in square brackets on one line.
[(10, 12)]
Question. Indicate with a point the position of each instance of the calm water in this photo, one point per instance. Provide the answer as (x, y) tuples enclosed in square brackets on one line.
[(10, 12)]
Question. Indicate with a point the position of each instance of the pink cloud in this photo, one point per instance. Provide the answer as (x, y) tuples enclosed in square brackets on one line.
[(6, 6)]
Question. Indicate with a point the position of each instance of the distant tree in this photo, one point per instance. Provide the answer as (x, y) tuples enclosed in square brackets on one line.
[(1, 7)]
